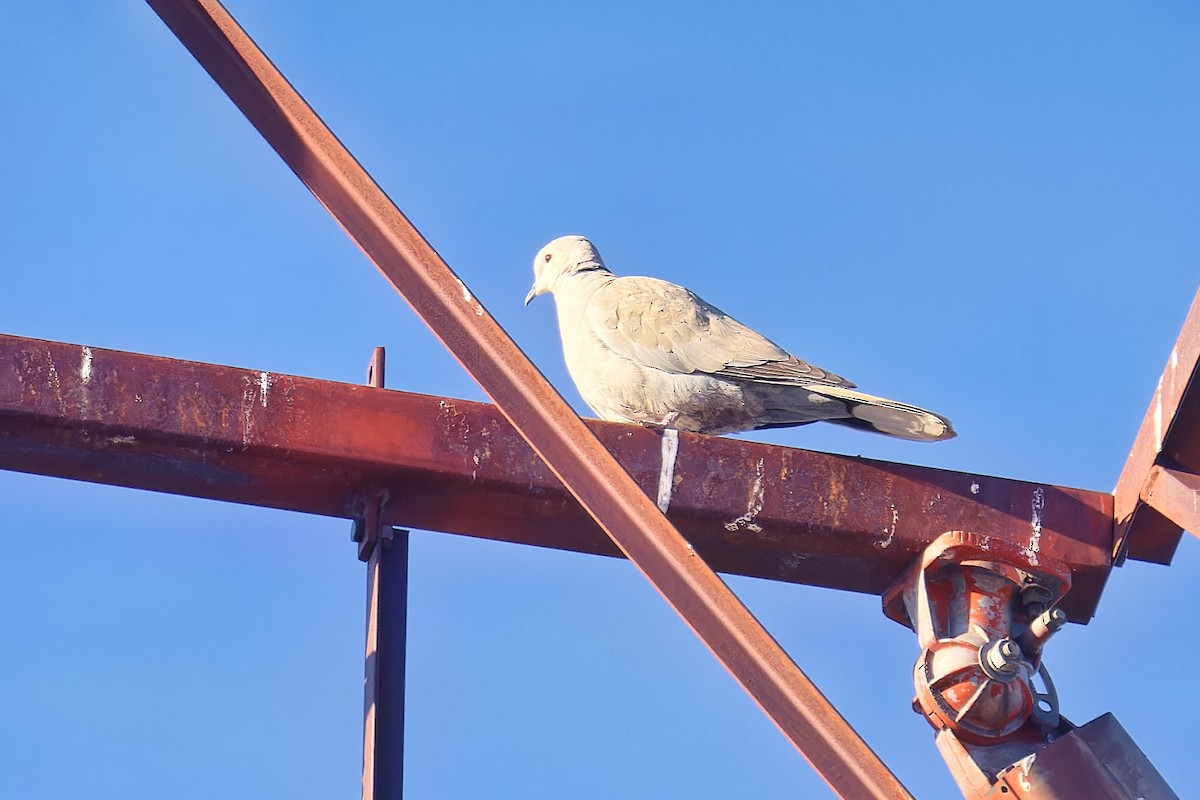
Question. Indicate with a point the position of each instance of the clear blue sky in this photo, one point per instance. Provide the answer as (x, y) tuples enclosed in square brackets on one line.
[(987, 209)]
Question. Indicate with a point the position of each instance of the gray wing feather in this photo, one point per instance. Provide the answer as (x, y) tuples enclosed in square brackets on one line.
[(661, 325)]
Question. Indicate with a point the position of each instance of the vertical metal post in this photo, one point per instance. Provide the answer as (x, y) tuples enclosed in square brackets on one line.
[(387, 633)]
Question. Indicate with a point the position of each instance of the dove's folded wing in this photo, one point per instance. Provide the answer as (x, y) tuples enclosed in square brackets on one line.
[(664, 326)]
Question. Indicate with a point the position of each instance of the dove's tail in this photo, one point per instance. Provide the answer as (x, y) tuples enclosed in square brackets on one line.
[(885, 416)]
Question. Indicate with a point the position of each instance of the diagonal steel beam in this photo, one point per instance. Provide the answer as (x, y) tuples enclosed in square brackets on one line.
[(1169, 437), (322, 447), (533, 407)]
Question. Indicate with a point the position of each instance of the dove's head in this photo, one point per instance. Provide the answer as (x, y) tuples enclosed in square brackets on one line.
[(566, 255)]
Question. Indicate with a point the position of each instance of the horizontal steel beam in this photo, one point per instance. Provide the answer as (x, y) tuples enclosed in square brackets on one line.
[(448, 465)]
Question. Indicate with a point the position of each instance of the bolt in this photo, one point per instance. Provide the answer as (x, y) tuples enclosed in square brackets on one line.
[(1053, 619), (1047, 624), (1010, 650), (1001, 659)]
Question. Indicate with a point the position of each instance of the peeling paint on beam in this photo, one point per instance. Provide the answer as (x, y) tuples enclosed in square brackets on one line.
[(455, 466)]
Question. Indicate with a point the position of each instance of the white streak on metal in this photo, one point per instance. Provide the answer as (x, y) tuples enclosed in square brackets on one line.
[(891, 531), (1023, 773), (1035, 521), (468, 299), (753, 507), (264, 386), (257, 389), (85, 366), (481, 454), (666, 473), (249, 398), (1158, 412)]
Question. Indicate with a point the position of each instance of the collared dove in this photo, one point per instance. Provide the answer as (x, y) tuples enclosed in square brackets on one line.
[(646, 351)]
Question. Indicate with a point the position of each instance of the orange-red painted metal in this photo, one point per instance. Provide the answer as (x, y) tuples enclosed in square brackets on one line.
[(1169, 437), (1097, 761), (983, 610), (321, 447), (970, 601), (537, 412)]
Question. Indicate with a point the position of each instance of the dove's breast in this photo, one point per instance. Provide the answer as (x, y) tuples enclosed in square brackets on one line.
[(620, 388), (610, 383)]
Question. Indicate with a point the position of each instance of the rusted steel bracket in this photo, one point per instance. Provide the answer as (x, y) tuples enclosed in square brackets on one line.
[(1174, 493), (1156, 496), (368, 528), (1096, 761)]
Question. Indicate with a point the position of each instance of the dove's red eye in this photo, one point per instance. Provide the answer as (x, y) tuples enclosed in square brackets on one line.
[(548, 257)]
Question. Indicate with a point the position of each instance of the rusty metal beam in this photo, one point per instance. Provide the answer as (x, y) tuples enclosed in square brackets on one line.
[(535, 410), (321, 447), (1098, 761), (1169, 437), (1175, 494)]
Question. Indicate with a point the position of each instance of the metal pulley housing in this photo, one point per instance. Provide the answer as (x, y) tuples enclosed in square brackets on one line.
[(982, 609)]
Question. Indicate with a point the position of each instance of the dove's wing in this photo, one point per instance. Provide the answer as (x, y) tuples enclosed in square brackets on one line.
[(661, 325)]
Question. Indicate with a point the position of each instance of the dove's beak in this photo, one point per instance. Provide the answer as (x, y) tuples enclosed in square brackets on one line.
[(532, 294)]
